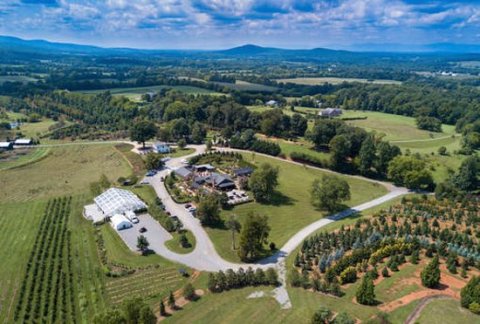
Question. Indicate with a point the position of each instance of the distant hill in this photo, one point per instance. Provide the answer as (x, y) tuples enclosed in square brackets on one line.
[(15, 48)]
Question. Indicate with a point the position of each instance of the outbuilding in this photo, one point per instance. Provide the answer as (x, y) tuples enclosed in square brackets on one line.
[(4, 146), (120, 222), (161, 147), (23, 141)]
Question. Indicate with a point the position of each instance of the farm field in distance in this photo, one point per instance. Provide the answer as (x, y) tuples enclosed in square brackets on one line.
[(135, 93), (333, 80)]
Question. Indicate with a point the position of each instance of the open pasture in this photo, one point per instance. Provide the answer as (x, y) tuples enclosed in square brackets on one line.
[(333, 80), (66, 170)]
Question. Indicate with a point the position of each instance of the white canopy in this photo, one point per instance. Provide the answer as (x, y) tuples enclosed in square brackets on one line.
[(118, 201)]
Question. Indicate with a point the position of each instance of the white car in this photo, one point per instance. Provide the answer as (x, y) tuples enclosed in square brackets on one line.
[(184, 161)]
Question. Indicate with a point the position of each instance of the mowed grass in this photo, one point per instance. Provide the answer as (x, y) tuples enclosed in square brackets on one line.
[(23, 157), (445, 312), (174, 243), (247, 86), (234, 307), (395, 127), (135, 93), (37, 129), (66, 170), (16, 78), (292, 210), (333, 80)]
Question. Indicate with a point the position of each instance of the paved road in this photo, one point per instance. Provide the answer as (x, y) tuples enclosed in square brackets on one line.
[(205, 257)]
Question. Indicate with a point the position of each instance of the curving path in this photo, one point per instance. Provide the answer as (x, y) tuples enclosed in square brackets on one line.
[(205, 257)]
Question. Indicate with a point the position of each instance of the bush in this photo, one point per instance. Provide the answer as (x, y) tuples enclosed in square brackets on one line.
[(348, 275)]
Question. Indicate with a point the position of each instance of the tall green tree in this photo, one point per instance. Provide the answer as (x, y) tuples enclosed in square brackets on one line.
[(340, 150), (430, 275), (208, 210), (253, 236), (366, 291), (367, 155), (263, 182), (385, 153), (234, 226), (329, 192), (467, 177), (153, 161), (142, 131), (142, 244)]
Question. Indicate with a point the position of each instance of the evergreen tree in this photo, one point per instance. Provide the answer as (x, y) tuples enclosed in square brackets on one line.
[(366, 291), (385, 273), (162, 308), (471, 292), (212, 282), (171, 300), (322, 316), (189, 292), (366, 155), (466, 179), (431, 274)]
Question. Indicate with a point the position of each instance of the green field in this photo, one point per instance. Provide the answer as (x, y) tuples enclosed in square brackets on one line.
[(292, 209), (446, 312), (23, 198), (16, 78), (333, 80), (247, 86), (395, 127), (66, 170), (135, 93), (19, 157)]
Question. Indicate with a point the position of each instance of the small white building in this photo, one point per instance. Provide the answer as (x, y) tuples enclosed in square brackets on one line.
[(120, 222), (6, 146), (330, 112), (23, 141), (271, 103), (161, 147)]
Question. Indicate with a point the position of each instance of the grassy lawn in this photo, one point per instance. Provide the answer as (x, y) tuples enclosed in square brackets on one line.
[(36, 129), (66, 170), (180, 152), (445, 312), (292, 210), (392, 288), (333, 80), (395, 127), (247, 86), (118, 251), (19, 157), (234, 307), (174, 243)]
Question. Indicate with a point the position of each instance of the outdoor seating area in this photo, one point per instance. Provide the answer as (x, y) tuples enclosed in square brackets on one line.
[(236, 197)]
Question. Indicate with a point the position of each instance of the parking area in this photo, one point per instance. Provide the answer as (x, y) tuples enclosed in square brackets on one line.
[(155, 233), (236, 197)]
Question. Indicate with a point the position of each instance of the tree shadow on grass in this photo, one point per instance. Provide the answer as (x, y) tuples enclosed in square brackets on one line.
[(278, 199)]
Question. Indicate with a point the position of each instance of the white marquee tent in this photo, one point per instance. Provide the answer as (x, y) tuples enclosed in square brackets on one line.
[(118, 201), (120, 222)]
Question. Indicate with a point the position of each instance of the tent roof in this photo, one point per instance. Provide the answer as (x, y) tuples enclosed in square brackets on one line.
[(118, 201)]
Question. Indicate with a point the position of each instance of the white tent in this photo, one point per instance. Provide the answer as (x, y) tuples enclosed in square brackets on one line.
[(120, 222), (118, 201)]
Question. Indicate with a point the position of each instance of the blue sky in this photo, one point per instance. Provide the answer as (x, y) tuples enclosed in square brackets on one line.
[(209, 24)]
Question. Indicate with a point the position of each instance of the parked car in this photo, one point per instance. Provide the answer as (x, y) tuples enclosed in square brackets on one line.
[(142, 230), (187, 206), (151, 173), (184, 161)]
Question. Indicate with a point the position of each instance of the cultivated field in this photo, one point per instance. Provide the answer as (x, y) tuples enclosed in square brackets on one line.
[(136, 93), (247, 86), (333, 80)]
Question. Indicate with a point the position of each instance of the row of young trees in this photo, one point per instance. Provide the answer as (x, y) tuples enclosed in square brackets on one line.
[(402, 230), (47, 289), (223, 281)]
